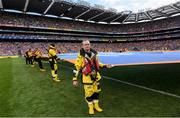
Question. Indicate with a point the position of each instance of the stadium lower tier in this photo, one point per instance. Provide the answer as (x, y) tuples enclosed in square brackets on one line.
[(19, 48)]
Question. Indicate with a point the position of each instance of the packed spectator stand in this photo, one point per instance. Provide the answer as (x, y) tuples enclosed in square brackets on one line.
[(19, 32), (19, 48)]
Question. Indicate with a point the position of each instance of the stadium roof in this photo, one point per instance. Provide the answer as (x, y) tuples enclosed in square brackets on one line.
[(83, 11)]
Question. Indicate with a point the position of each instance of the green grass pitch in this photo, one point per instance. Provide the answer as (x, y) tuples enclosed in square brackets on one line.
[(26, 91)]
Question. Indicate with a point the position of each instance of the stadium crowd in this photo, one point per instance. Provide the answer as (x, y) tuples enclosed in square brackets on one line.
[(21, 20), (62, 37), (18, 48), (39, 37), (43, 22)]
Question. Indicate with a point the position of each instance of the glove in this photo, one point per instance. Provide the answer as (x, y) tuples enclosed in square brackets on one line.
[(75, 73), (109, 66)]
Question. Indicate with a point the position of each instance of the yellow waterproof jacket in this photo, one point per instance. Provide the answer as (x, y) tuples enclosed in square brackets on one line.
[(30, 53), (79, 64), (52, 54), (38, 53)]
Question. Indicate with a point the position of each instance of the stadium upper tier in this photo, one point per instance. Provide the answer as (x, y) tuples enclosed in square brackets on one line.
[(84, 11), (24, 20)]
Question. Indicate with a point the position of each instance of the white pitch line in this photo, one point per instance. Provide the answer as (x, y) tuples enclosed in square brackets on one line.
[(143, 87)]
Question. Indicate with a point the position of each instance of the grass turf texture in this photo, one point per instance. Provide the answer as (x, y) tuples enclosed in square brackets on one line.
[(26, 91)]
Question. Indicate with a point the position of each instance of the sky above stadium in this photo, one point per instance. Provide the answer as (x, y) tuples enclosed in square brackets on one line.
[(133, 5)]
